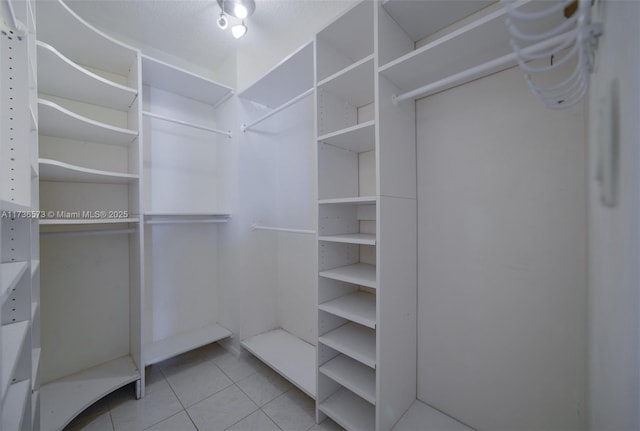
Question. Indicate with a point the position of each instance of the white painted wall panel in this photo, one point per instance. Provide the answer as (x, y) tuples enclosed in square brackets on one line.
[(502, 257)]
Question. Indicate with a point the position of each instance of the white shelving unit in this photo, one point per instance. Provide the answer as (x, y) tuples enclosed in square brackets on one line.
[(90, 174), (366, 219), (282, 340), (184, 204), (19, 283)]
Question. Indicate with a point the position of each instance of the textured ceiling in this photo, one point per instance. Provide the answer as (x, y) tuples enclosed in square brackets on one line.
[(186, 29)]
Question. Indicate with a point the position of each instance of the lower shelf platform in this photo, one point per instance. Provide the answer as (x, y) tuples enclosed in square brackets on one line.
[(421, 416), (350, 411), (63, 399), (184, 342), (291, 357)]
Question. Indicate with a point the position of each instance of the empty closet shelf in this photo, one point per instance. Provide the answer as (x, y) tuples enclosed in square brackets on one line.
[(353, 84), (362, 274), (16, 403), (184, 342), (351, 238), (290, 356), (359, 307), (11, 275), (358, 138), (61, 77), (353, 340), (56, 121), (54, 170), (62, 399), (359, 200), (349, 410), (353, 375), (13, 337)]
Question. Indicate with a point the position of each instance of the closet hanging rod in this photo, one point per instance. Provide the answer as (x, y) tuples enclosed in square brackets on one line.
[(475, 72), (93, 232), (282, 229), (285, 105), (185, 123), (186, 221), (16, 25)]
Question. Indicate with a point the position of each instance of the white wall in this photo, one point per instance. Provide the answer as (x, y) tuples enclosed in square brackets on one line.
[(502, 257), (614, 303)]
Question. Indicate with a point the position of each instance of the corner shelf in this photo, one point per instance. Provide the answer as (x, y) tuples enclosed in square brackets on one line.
[(61, 77), (164, 76), (359, 138), (80, 41), (349, 410), (289, 78), (61, 123), (54, 170), (353, 340), (11, 275), (62, 399), (359, 307), (293, 358), (351, 374), (184, 342), (362, 274)]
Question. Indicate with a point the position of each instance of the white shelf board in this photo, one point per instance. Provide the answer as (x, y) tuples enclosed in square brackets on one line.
[(362, 274), (184, 342), (422, 416), (354, 84), (35, 366), (56, 121), (59, 76), (225, 214), (353, 340), (480, 41), (165, 76), (349, 411), (81, 42), (290, 356), (359, 307), (351, 238), (354, 376), (360, 200), (54, 170), (358, 138), (77, 221), (11, 275), (61, 400), (420, 19), (13, 337), (289, 78), (13, 409)]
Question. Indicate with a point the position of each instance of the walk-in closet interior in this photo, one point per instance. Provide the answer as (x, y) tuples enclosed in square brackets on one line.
[(416, 214)]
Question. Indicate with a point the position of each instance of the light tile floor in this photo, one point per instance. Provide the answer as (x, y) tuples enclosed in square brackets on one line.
[(208, 389)]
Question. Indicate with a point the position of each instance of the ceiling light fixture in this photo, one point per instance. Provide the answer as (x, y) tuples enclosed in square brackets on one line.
[(240, 9), (239, 30)]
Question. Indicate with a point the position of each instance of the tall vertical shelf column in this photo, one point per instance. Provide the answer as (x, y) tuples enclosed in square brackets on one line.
[(366, 231), (184, 202), (90, 169), (19, 288)]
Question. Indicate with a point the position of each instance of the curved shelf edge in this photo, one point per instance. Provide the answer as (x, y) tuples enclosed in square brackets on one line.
[(115, 96), (54, 170), (60, 122)]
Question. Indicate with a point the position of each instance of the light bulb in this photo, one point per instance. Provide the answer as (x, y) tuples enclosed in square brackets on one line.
[(222, 21), (239, 30), (240, 11)]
